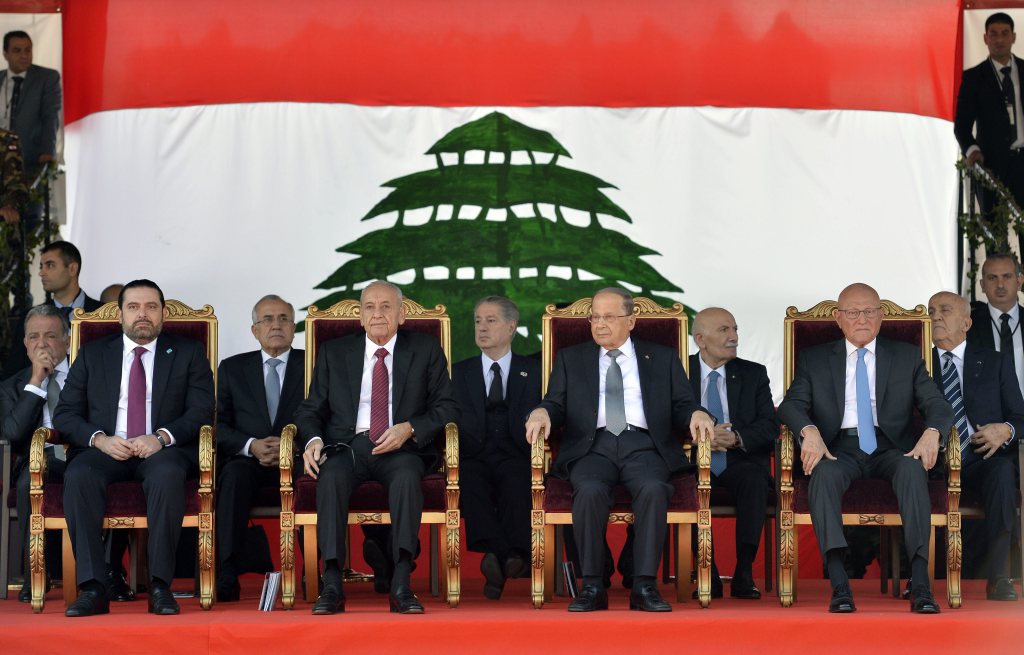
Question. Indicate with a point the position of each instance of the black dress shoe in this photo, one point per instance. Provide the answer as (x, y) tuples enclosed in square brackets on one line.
[(89, 603), (842, 600), (330, 601), (117, 587), (403, 601), (1001, 589), (161, 601), (717, 590), (745, 589), (516, 567), (25, 595), (228, 589), (645, 597), (922, 601), (590, 598), (494, 576), (381, 564)]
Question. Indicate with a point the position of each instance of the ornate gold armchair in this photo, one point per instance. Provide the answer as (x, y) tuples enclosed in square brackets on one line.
[(369, 502), (126, 504), (866, 502), (552, 498)]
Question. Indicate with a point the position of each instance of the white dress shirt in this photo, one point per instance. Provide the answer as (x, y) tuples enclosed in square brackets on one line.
[(266, 371), (630, 385), (148, 360), (1018, 346), (505, 362), (62, 375), (79, 301), (850, 411), (366, 385)]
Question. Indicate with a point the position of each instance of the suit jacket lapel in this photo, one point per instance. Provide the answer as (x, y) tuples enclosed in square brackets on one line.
[(257, 387), (113, 360), (972, 370), (516, 381), (401, 360), (163, 359), (695, 377), (293, 380), (354, 367), (883, 362), (732, 387), (643, 363), (477, 393), (837, 365)]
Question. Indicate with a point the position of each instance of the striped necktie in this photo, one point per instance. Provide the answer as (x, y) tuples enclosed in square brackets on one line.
[(951, 385)]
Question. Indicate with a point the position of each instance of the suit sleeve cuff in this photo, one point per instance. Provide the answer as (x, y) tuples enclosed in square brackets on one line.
[(169, 435), (1013, 435), (971, 150), (310, 442)]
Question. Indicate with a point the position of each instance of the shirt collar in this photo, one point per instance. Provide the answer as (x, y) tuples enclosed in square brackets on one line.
[(850, 348), (505, 361), (371, 347), (999, 67), (996, 313), (62, 367), (12, 74), (130, 345), (79, 301), (958, 350), (283, 356), (705, 369), (626, 349)]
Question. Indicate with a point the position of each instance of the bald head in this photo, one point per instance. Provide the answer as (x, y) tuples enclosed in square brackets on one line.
[(717, 335), (951, 319), (859, 314)]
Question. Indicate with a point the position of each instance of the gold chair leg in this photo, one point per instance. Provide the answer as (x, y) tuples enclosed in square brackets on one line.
[(537, 562), (549, 562), (287, 560), (787, 560), (37, 563), (704, 558), (684, 561), (206, 557), (309, 563), (954, 555), (70, 571), (452, 556)]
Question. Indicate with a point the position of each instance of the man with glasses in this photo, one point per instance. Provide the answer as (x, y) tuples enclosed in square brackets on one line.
[(851, 404), (621, 402), (257, 396)]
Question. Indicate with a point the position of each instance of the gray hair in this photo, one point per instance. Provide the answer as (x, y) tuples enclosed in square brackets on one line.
[(626, 296), (49, 310), (381, 283), (509, 310), (270, 296)]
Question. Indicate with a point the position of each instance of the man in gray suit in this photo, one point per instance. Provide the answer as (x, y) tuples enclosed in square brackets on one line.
[(31, 102), (851, 403)]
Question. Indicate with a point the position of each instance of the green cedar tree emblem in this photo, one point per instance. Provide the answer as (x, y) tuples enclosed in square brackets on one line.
[(468, 240)]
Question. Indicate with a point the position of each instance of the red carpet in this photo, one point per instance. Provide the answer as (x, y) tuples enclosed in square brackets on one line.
[(881, 625)]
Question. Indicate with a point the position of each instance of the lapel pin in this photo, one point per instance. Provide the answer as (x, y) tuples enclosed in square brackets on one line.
[(169, 351), (523, 373), (647, 356)]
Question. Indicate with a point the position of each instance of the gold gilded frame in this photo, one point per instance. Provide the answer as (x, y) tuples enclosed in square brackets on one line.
[(109, 313), (788, 518), (543, 524), (451, 518)]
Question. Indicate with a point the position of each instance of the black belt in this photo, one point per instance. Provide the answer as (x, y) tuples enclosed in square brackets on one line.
[(359, 435), (630, 427), (852, 432)]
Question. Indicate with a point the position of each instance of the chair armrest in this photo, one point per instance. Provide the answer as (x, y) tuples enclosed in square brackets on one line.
[(286, 455), (703, 450), (37, 461), (451, 467), (207, 457), (954, 465)]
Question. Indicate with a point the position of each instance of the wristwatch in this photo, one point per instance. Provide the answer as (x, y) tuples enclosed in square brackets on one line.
[(160, 438)]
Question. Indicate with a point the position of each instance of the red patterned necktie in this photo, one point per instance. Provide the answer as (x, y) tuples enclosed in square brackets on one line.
[(137, 396), (379, 397)]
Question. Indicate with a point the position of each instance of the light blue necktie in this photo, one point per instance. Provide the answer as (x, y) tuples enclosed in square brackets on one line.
[(273, 383), (865, 419), (718, 459)]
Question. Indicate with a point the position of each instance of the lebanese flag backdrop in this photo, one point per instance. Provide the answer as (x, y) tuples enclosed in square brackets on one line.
[(771, 151)]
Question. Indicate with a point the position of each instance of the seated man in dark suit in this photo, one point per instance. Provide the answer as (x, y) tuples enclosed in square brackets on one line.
[(257, 396), (377, 402), (28, 400), (496, 391), (851, 403), (131, 409), (988, 411), (738, 395), (996, 324), (621, 402)]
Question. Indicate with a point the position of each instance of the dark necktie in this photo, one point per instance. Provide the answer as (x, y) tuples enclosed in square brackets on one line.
[(66, 310), (137, 396), (52, 396), (496, 394), (614, 396), (865, 417), (379, 396), (1005, 336), (718, 459), (15, 97), (951, 386), (273, 384)]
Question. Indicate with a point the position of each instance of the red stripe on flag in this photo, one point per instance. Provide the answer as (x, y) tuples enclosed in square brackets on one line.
[(868, 54)]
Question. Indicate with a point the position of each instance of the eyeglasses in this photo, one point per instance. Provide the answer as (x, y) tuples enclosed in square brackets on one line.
[(267, 321), (607, 319), (871, 313)]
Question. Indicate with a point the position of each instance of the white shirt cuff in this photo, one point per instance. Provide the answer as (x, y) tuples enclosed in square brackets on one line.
[(314, 439), (36, 390), (247, 448), (168, 433)]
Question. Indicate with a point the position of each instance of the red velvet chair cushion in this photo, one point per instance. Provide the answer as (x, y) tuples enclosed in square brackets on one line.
[(567, 332), (123, 499), (871, 497), (813, 333), (370, 496), (196, 330), (558, 495)]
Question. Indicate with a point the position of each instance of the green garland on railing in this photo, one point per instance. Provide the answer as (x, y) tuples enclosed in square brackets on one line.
[(992, 233), (11, 253)]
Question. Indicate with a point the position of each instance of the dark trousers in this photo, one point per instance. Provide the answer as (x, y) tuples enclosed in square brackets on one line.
[(54, 473), (994, 479), (629, 459), (401, 473), (163, 478), (495, 499), (748, 482), (237, 485), (830, 480)]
